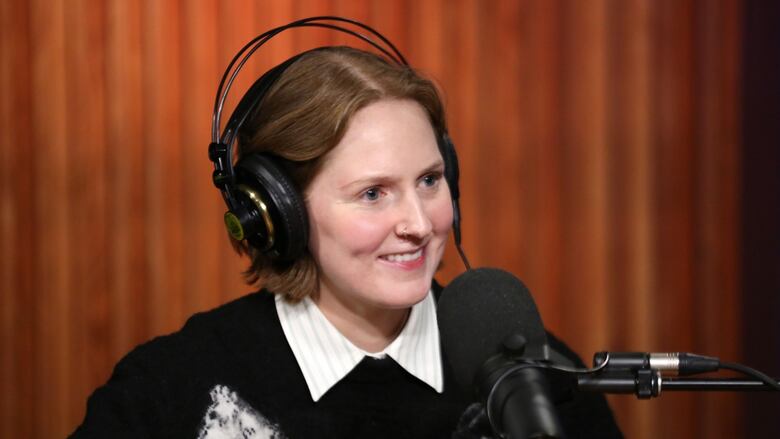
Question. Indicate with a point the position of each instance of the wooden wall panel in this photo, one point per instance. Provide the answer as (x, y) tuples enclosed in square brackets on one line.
[(51, 214), (540, 84), (17, 237), (499, 178), (631, 228), (200, 232), (718, 155), (128, 285), (162, 118), (460, 91), (584, 192), (600, 155), (87, 314), (674, 174)]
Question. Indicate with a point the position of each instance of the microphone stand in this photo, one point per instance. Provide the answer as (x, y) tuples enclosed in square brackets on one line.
[(525, 378), (640, 373), (649, 383), (717, 384)]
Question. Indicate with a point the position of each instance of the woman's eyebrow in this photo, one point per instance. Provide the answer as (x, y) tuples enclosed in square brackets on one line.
[(438, 165), (380, 178), (369, 180)]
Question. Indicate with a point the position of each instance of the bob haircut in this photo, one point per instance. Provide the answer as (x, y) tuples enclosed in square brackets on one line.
[(303, 116)]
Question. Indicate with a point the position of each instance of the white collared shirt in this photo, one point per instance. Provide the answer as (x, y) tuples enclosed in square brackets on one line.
[(325, 356)]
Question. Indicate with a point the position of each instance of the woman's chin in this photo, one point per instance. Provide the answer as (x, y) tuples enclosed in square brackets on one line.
[(406, 294)]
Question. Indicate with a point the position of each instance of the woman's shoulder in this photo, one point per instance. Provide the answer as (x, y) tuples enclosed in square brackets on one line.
[(166, 384), (252, 309), (247, 317)]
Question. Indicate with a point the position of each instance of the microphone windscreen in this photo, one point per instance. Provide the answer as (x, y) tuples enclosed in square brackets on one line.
[(477, 311)]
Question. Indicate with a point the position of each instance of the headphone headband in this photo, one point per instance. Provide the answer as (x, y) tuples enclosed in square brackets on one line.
[(262, 180), (320, 21)]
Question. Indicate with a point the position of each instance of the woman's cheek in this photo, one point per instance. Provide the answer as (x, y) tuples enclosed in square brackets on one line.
[(441, 215), (365, 233)]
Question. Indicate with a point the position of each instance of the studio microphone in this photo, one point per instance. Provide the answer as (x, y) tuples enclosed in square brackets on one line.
[(493, 335)]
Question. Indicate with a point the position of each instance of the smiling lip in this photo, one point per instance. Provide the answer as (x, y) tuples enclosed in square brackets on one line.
[(407, 261)]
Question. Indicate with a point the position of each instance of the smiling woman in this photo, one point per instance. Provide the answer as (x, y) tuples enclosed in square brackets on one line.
[(380, 216), (342, 341), (306, 113)]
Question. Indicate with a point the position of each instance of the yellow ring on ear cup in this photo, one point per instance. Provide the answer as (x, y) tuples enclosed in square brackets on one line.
[(233, 225), (257, 200)]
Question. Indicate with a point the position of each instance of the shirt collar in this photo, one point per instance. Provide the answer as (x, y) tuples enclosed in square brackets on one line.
[(325, 356)]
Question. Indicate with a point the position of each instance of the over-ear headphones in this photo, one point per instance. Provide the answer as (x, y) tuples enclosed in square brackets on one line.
[(264, 206)]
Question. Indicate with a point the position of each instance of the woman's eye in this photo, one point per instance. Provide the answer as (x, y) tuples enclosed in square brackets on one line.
[(371, 194), (430, 180)]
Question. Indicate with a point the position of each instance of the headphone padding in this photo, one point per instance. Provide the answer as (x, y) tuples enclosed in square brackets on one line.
[(288, 211), (451, 171)]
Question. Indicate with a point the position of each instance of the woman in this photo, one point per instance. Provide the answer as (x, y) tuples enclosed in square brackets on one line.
[(343, 341)]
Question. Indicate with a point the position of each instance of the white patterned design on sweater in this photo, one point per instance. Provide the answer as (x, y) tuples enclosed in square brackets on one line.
[(230, 417)]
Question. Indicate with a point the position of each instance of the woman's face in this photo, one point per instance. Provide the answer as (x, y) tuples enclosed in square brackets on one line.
[(380, 209)]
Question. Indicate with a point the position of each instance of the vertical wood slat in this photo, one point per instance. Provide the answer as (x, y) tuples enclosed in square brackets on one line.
[(201, 232), (360, 11), (631, 185), (717, 201), (128, 281), (306, 39), (390, 18), (51, 215), (17, 239), (583, 163), (162, 131), (460, 94), (540, 82), (283, 46), (87, 314), (598, 150), (499, 163), (8, 334), (673, 162)]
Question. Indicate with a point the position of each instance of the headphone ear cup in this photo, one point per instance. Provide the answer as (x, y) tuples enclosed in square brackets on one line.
[(451, 171), (289, 234)]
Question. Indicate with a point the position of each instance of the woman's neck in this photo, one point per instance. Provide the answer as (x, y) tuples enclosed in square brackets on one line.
[(370, 328)]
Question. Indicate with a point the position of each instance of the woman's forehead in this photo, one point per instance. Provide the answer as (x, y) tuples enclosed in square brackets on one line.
[(388, 135), (386, 130)]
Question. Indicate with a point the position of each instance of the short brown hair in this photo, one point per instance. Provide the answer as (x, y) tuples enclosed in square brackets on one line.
[(303, 116)]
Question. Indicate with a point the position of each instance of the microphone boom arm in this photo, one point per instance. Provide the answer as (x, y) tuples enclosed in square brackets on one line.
[(649, 385)]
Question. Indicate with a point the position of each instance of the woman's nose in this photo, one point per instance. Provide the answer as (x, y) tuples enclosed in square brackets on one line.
[(414, 221)]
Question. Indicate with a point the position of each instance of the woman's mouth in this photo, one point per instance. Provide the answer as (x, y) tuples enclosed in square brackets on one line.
[(404, 257)]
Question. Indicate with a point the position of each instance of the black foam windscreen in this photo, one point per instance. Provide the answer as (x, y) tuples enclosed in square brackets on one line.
[(477, 311)]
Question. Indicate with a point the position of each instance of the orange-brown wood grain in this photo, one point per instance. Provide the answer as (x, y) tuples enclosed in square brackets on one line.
[(540, 87), (584, 164), (717, 194), (631, 186), (499, 181), (599, 146), (51, 214), (201, 232), (17, 229), (673, 174), (86, 313), (128, 285), (161, 48)]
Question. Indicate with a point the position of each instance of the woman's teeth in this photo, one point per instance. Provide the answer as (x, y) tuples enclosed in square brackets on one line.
[(404, 257)]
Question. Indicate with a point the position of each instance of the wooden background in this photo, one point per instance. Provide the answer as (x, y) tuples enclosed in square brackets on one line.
[(600, 147)]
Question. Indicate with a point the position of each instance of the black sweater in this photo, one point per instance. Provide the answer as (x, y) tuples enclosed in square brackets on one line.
[(230, 373)]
